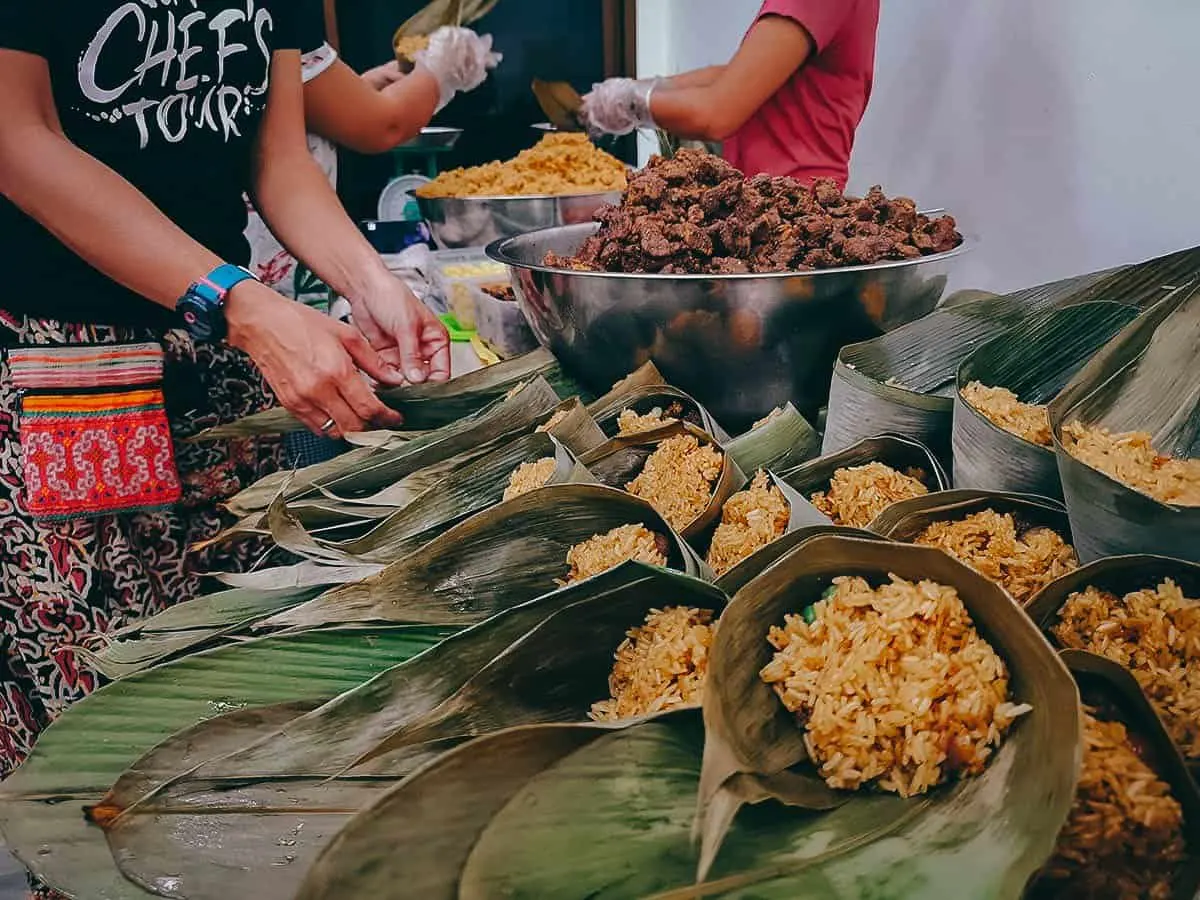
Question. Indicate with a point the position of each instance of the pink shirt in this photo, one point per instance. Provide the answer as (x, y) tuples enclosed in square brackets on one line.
[(806, 130)]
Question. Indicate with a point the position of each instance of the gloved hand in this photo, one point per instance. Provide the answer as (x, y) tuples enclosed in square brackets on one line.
[(618, 106), (459, 59)]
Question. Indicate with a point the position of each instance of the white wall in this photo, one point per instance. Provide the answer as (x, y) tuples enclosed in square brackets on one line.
[(1064, 134)]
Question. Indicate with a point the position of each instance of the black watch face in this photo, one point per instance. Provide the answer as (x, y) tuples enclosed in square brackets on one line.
[(199, 318)]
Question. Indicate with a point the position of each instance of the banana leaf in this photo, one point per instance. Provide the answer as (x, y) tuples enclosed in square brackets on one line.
[(620, 460), (496, 559), (475, 487), (1035, 361), (545, 661), (579, 811), (258, 496), (307, 574), (663, 397), (753, 566), (780, 442), (1145, 379), (424, 406), (445, 12), (1144, 284), (560, 103), (644, 376), (186, 627), (890, 449), (1116, 696), (86, 749), (754, 748)]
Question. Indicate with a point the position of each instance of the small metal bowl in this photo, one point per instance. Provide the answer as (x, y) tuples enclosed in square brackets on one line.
[(739, 344), (459, 222), (433, 138)]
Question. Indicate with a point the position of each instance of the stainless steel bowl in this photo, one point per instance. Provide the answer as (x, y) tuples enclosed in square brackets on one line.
[(433, 138), (740, 344), (477, 221)]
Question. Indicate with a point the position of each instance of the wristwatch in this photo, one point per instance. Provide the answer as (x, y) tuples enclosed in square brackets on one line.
[(203, 303)]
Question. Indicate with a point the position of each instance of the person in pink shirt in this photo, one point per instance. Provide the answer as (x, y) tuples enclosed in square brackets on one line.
[(788, 103)]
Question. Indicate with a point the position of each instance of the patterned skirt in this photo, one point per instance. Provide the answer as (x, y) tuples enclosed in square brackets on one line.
[(63, 583)]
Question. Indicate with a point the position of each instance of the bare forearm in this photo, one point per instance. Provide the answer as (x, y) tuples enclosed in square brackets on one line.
[(99, 215), (342, 106), (303, 211), (695, 78), (691, 113)]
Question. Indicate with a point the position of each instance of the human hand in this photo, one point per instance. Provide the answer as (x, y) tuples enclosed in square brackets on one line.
[(459, 59), (311, 362), (618, 106), (403, 331), (383, 76)]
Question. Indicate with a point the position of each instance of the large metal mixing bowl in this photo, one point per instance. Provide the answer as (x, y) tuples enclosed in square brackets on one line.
[(477, 221), (741, 344)]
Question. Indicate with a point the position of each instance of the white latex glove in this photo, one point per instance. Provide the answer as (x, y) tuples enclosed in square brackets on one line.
[(618, 106), (459, 59)]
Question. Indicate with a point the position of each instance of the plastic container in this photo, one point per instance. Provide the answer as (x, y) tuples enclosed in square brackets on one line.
[(456, 271), (500, 322)]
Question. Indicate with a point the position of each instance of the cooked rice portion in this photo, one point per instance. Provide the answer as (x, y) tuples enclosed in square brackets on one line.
[(1130, 458), (893, 685), (858, 494), (1124, 837), (629, 422), (602, 552), (660, 665), (1004, 409), (1155, 633), (530, 476), (989, 543), (750, 520), (677, 479), (774, 414), (554, 421)]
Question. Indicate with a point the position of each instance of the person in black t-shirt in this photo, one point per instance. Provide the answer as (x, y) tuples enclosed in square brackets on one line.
[(129, 132)]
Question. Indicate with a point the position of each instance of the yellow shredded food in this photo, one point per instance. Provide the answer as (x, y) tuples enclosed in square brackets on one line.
[(750, 520)]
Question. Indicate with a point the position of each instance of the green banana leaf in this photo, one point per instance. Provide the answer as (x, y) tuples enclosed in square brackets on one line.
[(424, 406), (644, 376), (755, 750), (644, 399), (498, 558), (445, 12), (753, 566), (87, 748), (545, 661), (187, 627), (560, 104), (619, 460), (780, 442)]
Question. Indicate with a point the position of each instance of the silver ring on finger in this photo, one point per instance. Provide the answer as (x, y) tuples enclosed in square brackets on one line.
[(328, 426)]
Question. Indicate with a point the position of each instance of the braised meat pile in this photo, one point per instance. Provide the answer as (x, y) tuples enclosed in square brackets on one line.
[(698, 214)]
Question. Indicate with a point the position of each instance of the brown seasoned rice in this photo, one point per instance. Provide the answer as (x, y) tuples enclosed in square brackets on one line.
[(630, 423), (989, 543), (677, 479), (660, 665), (892, 685), (1124, 837), (602, 552), (858, 494), (1130, 458), (750, 520), (1155, 633), (530, 476), (554, 421), (1005, 410)]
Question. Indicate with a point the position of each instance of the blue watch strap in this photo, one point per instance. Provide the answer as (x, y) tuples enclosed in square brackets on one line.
[(220, 281)]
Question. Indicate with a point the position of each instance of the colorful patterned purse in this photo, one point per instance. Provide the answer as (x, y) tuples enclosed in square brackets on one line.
[(93, 430)]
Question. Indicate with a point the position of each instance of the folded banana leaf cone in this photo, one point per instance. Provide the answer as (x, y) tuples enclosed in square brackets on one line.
[(1020, 541), (1090, 609), (753, 566), (546, 661), (498, 558), (982, 835), (424, 406), (1121, 844), (857, 505), (680, 470), (903, 381), (765, 510), (644, 376), (85, 750), (1127, 433), (1033, 361), (363, 473), (783, 440), (642, 408)]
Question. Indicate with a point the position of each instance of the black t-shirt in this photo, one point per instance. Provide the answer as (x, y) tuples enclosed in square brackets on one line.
[(169, 94)]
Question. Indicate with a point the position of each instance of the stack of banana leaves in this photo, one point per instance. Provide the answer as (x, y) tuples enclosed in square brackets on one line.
[(544, 644)]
